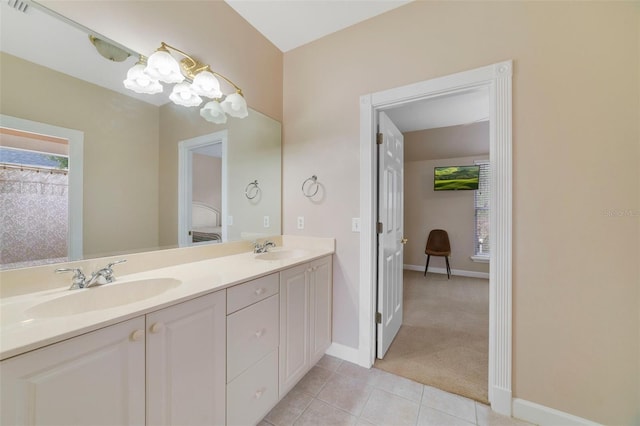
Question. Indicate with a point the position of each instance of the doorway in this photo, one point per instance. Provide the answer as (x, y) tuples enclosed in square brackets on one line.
[(444, 338), (202, 190), (497, 79)]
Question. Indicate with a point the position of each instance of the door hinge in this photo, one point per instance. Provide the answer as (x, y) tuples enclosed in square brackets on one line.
[(379, 138), (378, 318), (379, 227)]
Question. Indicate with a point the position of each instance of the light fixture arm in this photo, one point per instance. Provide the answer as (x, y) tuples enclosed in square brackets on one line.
[(197, 66)]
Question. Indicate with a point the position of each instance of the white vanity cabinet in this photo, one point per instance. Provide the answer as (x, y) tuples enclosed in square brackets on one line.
[(97, 378), (186, 363), (252, 350), (305, 319)]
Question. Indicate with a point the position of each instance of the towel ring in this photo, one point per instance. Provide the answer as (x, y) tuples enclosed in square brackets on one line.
[(252, 187), (313, 182)]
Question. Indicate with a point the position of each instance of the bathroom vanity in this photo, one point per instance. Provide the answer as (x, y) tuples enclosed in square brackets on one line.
[(220, 342)]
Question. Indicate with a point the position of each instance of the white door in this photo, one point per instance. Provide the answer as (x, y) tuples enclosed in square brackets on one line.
[(390, 237)]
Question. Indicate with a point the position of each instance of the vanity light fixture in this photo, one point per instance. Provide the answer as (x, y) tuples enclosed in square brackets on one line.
[(193, 80)]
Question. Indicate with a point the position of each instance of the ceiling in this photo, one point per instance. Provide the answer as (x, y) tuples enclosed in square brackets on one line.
[(292, 23)]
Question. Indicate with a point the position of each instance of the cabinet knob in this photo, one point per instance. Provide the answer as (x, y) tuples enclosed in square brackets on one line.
[(137, 335), (157, 327), (259, 291), (260, 333), (259, 393)]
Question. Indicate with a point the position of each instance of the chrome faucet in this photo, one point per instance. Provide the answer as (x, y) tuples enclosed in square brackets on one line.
[(262, 248), (101, 276)]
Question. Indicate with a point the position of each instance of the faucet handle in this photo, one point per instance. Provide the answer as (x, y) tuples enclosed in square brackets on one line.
[(78, 280), (115, 263)]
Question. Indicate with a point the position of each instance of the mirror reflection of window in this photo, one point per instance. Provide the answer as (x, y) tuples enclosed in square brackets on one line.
[(34, 194)]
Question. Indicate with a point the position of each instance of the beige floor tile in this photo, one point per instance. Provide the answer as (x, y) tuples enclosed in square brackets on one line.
[(368, 375), (487, 417), (386, 409), (431, 417), (321, 414), (346, 393), (315, 379), (329, 362), (289, 408), (264, 423), (399, 386), (364, 422), (455, 405)]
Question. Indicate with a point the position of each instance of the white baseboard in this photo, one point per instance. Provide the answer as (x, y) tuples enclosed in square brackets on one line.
[(501, 400), (545, 416), (458, 272), (345, 353)]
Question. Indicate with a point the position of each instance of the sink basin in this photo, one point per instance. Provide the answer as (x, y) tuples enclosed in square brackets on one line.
[(103, 297), (282, 254)]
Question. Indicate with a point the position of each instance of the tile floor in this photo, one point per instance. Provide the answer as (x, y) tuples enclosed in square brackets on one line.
[(336, 392)]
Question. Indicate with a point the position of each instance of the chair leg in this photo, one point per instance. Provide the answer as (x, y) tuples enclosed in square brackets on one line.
[(448, 267), (427, 265)]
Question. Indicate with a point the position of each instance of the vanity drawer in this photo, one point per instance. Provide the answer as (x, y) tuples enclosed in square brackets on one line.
[(252, 333), (253, 393), (251, 292)]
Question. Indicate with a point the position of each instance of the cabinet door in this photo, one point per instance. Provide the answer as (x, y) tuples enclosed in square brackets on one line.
[(320, 307), (294, 326), (93, 379), (186, 350)]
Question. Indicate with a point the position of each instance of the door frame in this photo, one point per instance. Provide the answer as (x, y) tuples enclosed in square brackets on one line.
[(497, 78), (75, 138), (185, 187)]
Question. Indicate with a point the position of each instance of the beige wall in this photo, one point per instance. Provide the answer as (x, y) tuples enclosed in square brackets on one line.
[(426, 209), (120, 151), (207, 180), (575, 158)]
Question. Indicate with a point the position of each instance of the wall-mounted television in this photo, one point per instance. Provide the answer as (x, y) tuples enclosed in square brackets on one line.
[(456, 178)]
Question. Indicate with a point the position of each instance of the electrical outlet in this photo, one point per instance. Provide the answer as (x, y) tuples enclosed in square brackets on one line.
[(266, 222), (300, 222), (229, 220), (355, 224)]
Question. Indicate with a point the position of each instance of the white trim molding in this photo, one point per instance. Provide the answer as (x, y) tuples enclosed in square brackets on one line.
[(345, 353), (541, 415), (480, 259), (458, 272), (497, 79)]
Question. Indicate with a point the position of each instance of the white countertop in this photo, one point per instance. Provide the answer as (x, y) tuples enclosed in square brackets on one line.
[(21, 332)]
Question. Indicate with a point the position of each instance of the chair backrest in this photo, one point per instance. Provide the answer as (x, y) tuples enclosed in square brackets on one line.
[(438, 241)]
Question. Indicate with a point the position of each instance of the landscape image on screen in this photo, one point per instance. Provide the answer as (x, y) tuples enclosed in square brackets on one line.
[(455, 178)]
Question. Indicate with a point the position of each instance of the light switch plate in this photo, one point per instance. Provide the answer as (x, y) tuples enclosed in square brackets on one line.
[(355, 224), (266, 222), (300, 222), (229, 220)]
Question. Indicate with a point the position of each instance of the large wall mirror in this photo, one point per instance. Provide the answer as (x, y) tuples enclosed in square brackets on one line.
[(151, 174)]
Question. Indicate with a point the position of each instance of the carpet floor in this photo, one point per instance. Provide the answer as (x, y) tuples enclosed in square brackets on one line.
[(444, 338)]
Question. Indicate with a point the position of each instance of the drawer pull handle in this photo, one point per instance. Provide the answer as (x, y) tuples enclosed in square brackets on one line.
[(157, 327), (137, 335), (260, 332), (259, 393), (259, 291)]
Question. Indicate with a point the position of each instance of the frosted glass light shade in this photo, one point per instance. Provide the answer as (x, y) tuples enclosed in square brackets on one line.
[(138, 81), (235, 105), (183, 95), (206, 84), (213, 112), (162, 66)]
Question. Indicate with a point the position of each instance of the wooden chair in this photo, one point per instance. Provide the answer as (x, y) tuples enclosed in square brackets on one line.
[(438, 245)]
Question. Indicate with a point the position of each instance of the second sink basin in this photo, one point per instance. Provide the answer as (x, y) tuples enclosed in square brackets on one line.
[(102, 297), (282, 254)]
